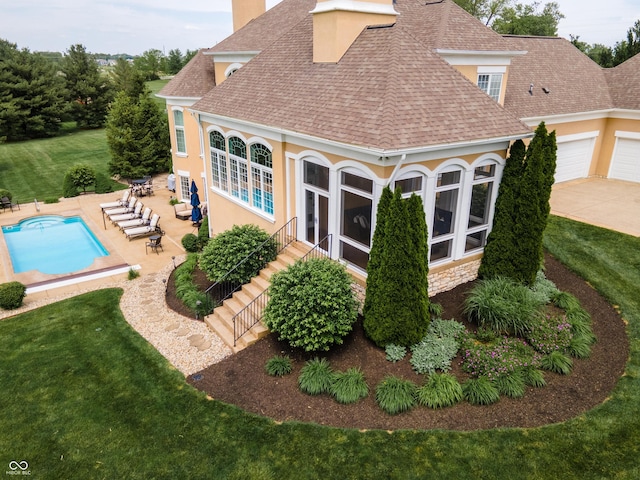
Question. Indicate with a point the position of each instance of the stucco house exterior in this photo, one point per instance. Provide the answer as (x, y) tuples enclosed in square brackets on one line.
[(311, 108)]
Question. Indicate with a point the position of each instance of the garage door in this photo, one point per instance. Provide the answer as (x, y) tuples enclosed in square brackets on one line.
[(574, 158), (626, 160)]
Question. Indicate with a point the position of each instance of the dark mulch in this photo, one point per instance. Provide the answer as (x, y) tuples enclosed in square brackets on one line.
[(241, 379)]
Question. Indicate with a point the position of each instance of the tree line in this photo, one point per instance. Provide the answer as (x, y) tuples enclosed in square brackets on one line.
[(509, 18)]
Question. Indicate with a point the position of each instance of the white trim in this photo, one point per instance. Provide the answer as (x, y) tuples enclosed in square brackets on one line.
[(627, 135), (183, 173), (492, 69), (181, 101), (260, 140), (232, 68), (354, 6), (577, 136), (478, 58)]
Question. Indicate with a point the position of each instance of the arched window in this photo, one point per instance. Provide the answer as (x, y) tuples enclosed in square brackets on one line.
[(239, 176), (218, 161), (262, 178), (178, 122)]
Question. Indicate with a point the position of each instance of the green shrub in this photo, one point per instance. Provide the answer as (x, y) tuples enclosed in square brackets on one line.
[(69, 188), (174, 201), (187, 291), (316, 377), (580, 347), (446, 328), (543, 288), (11, 295), (203, 233), (485, 334), (395, 395), (439, 391), (435, 310), (6, 193), (565, 301), (133, 274), (502, 305), (82, 176), (557, 362), (103, 184), (549, 333), (190, 242), (226, 250), (311, 304), (350, 386), (480, 391), (395, 353), (433, 353), (582, 329), (533, 377), (279, 366), (512, 385)]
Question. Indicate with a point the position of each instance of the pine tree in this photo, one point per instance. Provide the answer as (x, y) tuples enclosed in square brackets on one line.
[(500, 252), (418, 260)]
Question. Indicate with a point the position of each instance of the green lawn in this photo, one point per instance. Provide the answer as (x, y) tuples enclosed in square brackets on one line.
[(35, 169), (155, 86), (84, 396)]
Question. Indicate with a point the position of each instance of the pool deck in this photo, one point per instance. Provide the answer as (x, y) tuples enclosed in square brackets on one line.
[(124, 254)]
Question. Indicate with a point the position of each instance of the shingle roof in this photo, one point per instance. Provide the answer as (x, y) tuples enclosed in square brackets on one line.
[(194, 80), (575, 82), (387, 92), (624, 84)]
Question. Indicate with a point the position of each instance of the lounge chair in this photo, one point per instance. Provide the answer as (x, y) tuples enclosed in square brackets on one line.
[(145, 230), (154, 243), (137, 222), (119, 211), (119, 203), (182, 210), (137, 213), (6, 203)]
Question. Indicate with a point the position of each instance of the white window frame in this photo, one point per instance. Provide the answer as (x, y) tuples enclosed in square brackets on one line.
[(494, 76), (184, 184), (179, 132), (218, 158)]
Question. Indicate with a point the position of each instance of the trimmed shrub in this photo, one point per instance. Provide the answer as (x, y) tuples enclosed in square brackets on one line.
[(11, 295), (82, 176), (349, 386), (480, 391), (103, 184), (279, 366), (395, 395), (439, 391), (557, 362), (316, 377), (533, 377), (69, 188), (395, 353), (190, 242), (203, 233), (311, 304), (512, 385), (502, 305), (226, 250)]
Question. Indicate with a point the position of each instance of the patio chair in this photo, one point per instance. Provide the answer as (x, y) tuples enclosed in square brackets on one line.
[(154, 243), (6, 203), (119, 203), (119, 211), (145, 230), (137, 222), (182, 211), (137, 213)]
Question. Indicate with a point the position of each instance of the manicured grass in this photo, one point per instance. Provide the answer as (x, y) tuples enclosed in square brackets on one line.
[(155, 86), (83, 396), (35, 169)]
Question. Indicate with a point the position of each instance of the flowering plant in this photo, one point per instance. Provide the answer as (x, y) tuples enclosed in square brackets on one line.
[(550, 333), (499, 358)]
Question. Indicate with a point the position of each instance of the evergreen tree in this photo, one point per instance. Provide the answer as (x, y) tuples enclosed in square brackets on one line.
[(375, 259), (394, 315), (138, 136), (500, 252), (418, 260), (89, 92), (174, 61), (32, 96), (125, 77)]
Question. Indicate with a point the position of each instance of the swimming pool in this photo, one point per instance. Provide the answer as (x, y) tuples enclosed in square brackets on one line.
[(52, 244)]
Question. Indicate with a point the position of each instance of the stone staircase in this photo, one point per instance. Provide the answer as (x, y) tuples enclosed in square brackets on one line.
[(221, 320)]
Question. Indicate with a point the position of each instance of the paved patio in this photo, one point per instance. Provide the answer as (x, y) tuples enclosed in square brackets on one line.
[(611, 204)]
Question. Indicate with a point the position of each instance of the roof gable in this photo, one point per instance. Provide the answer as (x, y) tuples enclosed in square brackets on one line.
[(624, 83), (194, 80)]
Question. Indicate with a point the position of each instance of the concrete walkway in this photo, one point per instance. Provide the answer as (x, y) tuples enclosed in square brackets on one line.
[(611, 204)]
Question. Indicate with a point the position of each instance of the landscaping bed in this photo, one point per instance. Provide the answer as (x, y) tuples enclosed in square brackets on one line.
[(242, 380)]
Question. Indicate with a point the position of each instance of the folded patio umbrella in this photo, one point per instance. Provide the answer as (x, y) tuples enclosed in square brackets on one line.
[(196, 215)]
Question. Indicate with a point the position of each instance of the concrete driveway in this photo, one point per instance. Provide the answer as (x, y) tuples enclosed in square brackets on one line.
[(611, 204)]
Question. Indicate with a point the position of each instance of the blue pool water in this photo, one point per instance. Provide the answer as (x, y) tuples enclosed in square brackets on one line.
[(52, 244)]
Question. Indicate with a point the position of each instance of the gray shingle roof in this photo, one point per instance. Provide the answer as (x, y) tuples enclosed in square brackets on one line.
[(624, 84), (194, 80), (575, 82), (387, 92)]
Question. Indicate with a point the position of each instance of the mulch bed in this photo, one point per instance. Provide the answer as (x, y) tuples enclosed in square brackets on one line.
[(241, 379)]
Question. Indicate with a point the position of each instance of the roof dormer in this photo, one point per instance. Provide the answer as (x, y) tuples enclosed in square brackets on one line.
[(337, 23), (246, 10)]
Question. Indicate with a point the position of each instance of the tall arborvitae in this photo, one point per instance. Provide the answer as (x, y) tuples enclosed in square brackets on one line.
[(532, 207), (375, 257), (419, 260), (392, 315), (500, 253)]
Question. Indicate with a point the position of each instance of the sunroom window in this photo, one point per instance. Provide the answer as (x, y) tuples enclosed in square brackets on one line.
[(479, 209), (262, 178), (218, 161), (238, 169), (445, 214)]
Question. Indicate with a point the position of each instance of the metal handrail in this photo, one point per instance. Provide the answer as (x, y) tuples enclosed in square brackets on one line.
[(286, 235), (252, 313)]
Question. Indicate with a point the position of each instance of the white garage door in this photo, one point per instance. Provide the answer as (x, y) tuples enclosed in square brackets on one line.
[(574, 158), (626, 160)]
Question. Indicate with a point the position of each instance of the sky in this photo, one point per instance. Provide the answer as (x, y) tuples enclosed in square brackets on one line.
[(134, 26)]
